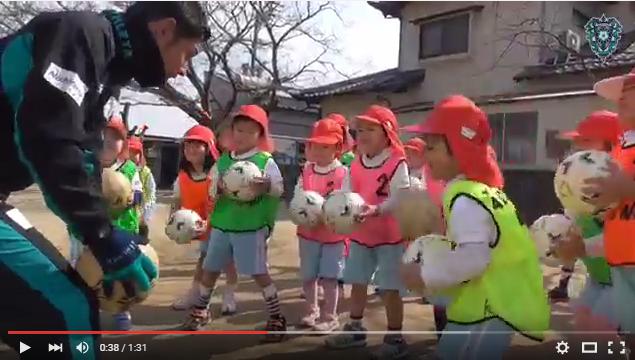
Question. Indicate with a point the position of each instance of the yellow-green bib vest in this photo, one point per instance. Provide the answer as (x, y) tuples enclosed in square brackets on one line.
[(511, 287), (237, 216), (127, 220)]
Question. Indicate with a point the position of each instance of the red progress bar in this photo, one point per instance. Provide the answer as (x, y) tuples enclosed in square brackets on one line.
[(139, 332)]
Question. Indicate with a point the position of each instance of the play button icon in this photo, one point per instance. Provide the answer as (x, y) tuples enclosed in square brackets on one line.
[(23, 347)]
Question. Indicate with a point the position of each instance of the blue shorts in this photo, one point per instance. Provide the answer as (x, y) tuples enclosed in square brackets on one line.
[(382, 262), (598, 298), (247, 249), (203, 247), (487, 340), (320, 260), (624, 295)]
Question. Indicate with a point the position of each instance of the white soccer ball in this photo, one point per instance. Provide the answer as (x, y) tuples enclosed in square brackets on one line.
[(116, 189), (546, 232), (183, 226), (340, 210), (570, 176), (305, 208), (238, 178), (433, 250), (89, 269)]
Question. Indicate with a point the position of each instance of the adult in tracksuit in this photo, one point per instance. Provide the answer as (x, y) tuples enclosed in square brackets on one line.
[(56, 73)]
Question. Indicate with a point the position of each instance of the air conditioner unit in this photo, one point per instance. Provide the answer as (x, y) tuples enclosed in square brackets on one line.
[(572, 40)]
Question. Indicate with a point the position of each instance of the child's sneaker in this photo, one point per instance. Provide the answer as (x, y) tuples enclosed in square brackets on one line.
[(229, 303), (393, 347), (326, 326), (123, 321), (278, 325), (309, 320), (197, 319), (353, 336), (186, 300)]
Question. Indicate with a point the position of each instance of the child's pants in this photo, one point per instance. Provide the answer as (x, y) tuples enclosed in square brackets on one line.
[(624, 296), (598, 299), (487, 340), (319, 260), (381, 262), (247, 249)]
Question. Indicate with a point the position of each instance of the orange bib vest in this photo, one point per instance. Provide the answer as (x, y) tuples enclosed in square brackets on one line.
[(195, 196), (619, 223)]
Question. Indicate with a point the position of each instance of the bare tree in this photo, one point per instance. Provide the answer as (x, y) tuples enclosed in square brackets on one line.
[(256, 34)]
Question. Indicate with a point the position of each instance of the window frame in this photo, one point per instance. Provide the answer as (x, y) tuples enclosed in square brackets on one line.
[(442, 19), (502, 159)]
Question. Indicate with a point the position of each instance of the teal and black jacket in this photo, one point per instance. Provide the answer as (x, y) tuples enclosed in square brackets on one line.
[(56, 74)]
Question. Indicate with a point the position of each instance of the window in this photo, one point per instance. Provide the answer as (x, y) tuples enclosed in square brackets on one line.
[(556, 148), (444, 36), (514, 137)]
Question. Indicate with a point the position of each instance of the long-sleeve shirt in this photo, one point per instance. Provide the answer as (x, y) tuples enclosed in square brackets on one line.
[(272, 172), (150, 197), (400, 179), (473, 229)]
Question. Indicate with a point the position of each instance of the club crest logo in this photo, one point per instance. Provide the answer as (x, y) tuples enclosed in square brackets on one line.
[(603, 35)]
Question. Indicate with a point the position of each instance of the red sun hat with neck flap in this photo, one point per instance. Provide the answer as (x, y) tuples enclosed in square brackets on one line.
[(259, 115), (416, 144), (348, 139), (382, 116), (326, 132), (466, 128), (600, 125), (205, 135)]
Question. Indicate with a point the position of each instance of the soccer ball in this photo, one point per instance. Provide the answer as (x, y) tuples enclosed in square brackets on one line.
[(183, 226), (90, 270), (416, 183), (570, 176), (238, 178), (433, 250), (547, 231), (306, 208), (416, 213), (116, 189), (340, 210)]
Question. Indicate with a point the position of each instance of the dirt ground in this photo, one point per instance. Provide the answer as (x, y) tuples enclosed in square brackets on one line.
[(177, 264)]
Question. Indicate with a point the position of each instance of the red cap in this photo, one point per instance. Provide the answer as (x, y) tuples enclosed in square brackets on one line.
[(116, 123), (327, 132), (259, 115), (600, 125), (348, 139), (135, 143), (416, 144), (383, 116), (205, 135), (467, 130)]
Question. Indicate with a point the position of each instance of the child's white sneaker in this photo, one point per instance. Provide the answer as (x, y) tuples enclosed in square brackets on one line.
[(123, 321), (309, 320), (326, 326), (229, 303)]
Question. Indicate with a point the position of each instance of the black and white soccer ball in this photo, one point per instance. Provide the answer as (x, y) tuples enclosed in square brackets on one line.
[(238, 178), (305, 208), (341, 209), (183, 226), (547, 231), (569, 181)]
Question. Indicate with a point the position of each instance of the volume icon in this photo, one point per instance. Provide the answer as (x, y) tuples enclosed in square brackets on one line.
[(55, 347), (82, 347)]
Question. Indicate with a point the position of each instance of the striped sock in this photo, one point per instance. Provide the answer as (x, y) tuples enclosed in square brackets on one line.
[(270, 293), (204, 298)]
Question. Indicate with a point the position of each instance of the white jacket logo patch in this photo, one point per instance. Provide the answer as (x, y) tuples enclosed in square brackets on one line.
[(67, 82)]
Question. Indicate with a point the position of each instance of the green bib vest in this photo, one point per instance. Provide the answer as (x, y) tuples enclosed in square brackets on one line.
[(144, 176), (127, 220), (347, 158), (237, 216), (597, 267), (511, 287)]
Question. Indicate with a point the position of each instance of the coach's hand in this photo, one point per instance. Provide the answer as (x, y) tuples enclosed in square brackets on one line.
[(122, 260)]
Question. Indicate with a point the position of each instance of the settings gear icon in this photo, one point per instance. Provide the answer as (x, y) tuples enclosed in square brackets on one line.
[(562, 347)]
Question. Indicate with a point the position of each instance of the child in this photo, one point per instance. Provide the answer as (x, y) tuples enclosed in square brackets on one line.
[(135, 149), (240, 229), (348, 155), (191, 191), (594, 308), (492, 278), (619, 224), (321, 250), (417, 167), (114, 155), (376, 246)]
